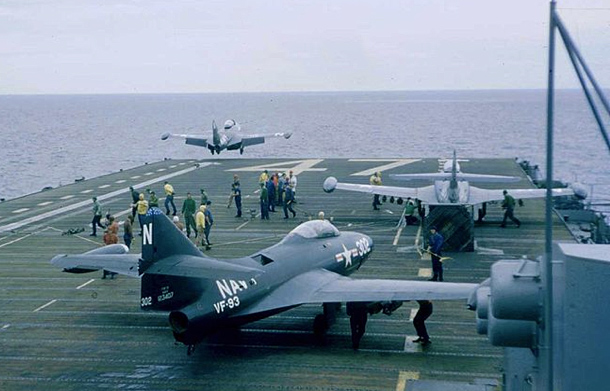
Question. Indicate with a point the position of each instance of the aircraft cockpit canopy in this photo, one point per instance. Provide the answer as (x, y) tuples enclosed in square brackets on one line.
[(229, 124), (314, 229)]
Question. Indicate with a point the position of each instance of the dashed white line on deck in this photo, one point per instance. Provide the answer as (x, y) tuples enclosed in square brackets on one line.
[(85, 284), (67, 197), (121, 181), (45, 306), (21, 210), (45, 203), (395, 242), (103, 186), (242, 225), (86, 191)]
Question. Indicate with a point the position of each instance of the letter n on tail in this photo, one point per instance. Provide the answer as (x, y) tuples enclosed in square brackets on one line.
[(147, 234)]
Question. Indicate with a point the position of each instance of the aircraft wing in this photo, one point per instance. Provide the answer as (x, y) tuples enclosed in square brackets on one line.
[(425, 194), (260, 138), (113, 258), (478, 195), (189, 139), (460, 176), (323, 286)]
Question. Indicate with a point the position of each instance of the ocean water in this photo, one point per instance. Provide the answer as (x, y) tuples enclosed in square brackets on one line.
[(49, 140)]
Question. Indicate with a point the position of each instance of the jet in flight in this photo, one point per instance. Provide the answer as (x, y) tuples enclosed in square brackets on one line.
[(228, 138), (451, 187), (204, 295)]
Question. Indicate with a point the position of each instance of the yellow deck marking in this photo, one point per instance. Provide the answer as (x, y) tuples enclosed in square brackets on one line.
[(403, 376), (424, 272)]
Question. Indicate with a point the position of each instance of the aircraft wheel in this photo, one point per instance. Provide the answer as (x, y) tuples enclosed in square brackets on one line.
[(190, 350), (320, 325), (241, 151)]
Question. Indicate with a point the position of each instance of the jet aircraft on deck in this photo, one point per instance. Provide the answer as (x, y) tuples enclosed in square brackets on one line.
[(205, 295), (228, 138)]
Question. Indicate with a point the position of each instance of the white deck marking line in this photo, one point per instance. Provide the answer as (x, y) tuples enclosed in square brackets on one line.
[(242, 225), (403, 376), (412, 314), (85, 284), (121, 181), (424, 272), (6, 326), (136, 176), (394, 164), (162, 169), (86, 191), (45, 306), (21, 210), (417, 237), (103, 186), (395, 242), (87, 203), (148, 173), (353, 212), (296, 166), (173, 166), (181, 164), (45, 203), (67, 197), (21, 238)]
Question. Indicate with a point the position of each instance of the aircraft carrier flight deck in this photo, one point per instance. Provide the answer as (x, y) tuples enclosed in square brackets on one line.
[(61, 331)]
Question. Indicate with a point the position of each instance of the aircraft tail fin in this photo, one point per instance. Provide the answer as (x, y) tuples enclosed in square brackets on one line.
[(161, 239), (215, 134), (454, 167)]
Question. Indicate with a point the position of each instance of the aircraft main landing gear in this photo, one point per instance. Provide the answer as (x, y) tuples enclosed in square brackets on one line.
[(322, 322)]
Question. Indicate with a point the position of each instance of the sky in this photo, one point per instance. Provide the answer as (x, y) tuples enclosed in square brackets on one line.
[(183, 46)]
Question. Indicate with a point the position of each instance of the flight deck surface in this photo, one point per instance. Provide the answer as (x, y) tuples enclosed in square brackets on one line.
[(61, 331)]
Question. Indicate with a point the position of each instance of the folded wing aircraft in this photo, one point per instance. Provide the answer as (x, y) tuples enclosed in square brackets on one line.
[(204, 295), (228, 138)]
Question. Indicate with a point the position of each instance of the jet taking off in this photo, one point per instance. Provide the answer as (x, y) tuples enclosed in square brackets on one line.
[(451, 187), (228, 138), (205, 295)]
